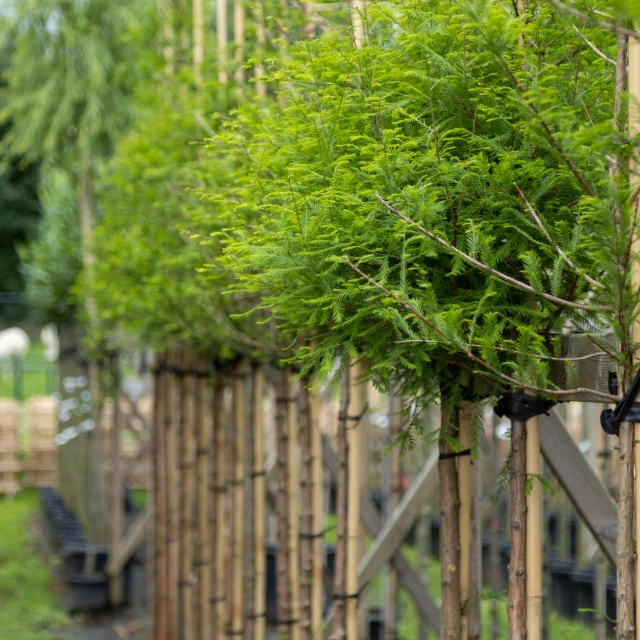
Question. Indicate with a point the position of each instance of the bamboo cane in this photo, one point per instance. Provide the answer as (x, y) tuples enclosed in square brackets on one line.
[(221, 25), (634, 129), (516, 607), (391, 488), (219, 494), (187, 468), (238, 38), (282, 549), (239, 424), (259, 508), (171, 418), (293, 503), (261, 37), (464, 494), (117, 514), (474, 610), (534, 534), (205, 624), (158, 628), (306, 540), (354, 436), (339, 629), (198, 40), (317, 519), (494, 527)]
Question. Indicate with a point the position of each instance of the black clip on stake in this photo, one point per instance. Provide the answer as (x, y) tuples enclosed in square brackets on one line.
[(626, 409)]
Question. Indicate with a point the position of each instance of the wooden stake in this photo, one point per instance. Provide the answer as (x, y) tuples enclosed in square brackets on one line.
[(261, 37), (494, 527), (198, 40), (464, 495), (259, 508), (238, 38), (451, 619), (117, 511), (391, 488), (534, 533), (239, 420), (516, 607), (306, 541), (171, 418), (219, 494), (293, 504), (204, 585), (339, 629), (282, 548), (474, 612), (317, 519), (221, 21), (187, 468), (160, 588)]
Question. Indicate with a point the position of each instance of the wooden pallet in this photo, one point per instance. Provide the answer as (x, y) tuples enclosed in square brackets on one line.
[(42, 420), (9, 446)]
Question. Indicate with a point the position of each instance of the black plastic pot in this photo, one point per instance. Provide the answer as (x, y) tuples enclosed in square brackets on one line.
[(86, 593)]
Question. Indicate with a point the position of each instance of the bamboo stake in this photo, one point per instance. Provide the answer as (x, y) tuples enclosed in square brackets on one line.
[(198, 40), (354, 437), (238, 38), (259, 508), (306, 541), (261, 37), (159, 603), (516, 607), (474, 611), (339, 630), (494, 527), (534, 533), (117, 514), (317, 519), (282, 548), (205, 625), (239, 419), (293, 476), (219, 491), (391, 488), (221, 24), (187, 468), (634, 129), (464, 494), (449, 531)]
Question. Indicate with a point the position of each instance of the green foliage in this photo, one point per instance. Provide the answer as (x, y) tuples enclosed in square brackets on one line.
[(51, 263)]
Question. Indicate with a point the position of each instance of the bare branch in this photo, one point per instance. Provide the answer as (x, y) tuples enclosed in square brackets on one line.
[(594, 48), (559, 251), (493, 272), (621, 31), (471, 356)]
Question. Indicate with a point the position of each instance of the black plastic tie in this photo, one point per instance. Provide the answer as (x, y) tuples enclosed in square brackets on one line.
[(520, 407), (314, 536), (627, 410), (454, 454), (254, 616)]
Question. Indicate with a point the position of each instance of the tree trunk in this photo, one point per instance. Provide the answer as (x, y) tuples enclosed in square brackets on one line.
[(339, 629), (282, 549), (516, 607), (625, 553), (451, 618)]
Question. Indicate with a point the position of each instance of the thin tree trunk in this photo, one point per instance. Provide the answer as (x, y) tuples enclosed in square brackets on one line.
[(237, 618), (516, 607), (306, 542), (219, 491), (282, 548), (451, 617), (204, 504), (339, 629), (117, 511), (259, 508)]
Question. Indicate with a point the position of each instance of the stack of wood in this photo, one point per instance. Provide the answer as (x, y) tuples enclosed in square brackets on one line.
[(41, 466), (9, 446)]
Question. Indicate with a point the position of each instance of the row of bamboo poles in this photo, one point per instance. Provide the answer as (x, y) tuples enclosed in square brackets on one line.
[(210, 502)]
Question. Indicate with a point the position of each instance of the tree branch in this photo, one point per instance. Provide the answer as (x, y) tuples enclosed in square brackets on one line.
[(493, 272), (471, 356), (621, 31), (594, 48), (559, 251)]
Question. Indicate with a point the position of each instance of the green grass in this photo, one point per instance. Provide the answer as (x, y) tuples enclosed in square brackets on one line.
[(29, 607), (39, 376)]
